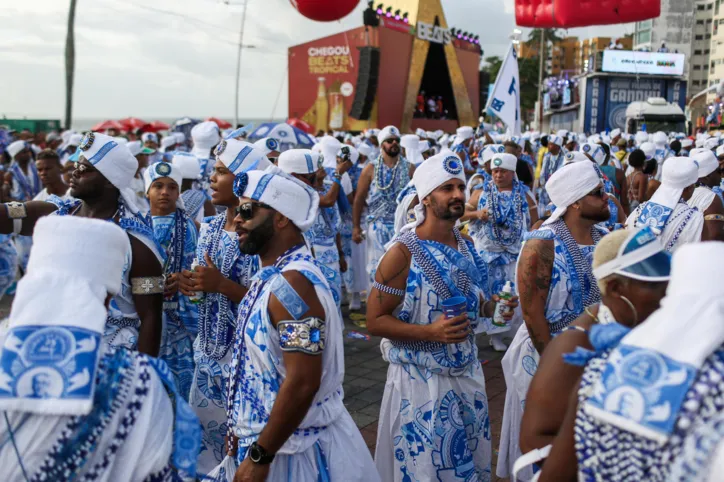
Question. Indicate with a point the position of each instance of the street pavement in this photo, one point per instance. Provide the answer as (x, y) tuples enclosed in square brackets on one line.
[(366, 373)]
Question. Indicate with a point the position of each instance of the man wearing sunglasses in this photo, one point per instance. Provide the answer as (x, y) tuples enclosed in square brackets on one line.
[(379, 185), (667, 212), (555, 282), (286, 409)]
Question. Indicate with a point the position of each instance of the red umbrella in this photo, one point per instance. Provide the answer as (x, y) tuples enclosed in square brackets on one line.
[(132, 123), (300, 124), (156, 126), (220, 122), (105, 125)]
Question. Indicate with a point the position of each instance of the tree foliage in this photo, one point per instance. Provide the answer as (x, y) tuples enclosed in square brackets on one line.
[(528, 72)]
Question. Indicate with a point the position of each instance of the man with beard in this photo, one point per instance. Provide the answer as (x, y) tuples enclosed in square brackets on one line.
[(285, 403), (380, 183), (555, 283), (667, 212), (100, 188), (434, 422), (218, 283)]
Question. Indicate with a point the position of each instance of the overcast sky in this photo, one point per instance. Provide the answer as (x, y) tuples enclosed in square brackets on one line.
[(134, 58)]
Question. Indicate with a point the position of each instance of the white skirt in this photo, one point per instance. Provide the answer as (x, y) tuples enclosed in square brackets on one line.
[(519, 365), (433, 428), (338, 455)]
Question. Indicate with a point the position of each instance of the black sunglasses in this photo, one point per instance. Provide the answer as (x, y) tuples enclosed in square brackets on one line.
[(246, 211), (393, 140), (599, 193)]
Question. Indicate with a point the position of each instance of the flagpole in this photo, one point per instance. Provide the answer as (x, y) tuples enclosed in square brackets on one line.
[(540, 80)]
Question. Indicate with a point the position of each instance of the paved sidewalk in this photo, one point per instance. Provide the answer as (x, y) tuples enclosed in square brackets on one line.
[(366, 373)]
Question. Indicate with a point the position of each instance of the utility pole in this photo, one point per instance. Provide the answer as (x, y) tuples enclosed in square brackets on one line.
[(540, 79), (238, 64), (69, 64)]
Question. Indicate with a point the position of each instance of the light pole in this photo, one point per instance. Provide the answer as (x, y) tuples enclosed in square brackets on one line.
[(238, 64), (540, 79)]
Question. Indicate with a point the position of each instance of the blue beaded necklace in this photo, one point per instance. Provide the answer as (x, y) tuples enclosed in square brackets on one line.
[(507, 215)]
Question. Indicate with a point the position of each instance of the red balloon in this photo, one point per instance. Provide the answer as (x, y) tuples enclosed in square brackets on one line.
[(582, 13), (324, 10)]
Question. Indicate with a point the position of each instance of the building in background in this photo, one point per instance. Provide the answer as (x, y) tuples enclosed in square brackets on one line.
[(562, 57), (675, 27), (704, 32), (590, 47)]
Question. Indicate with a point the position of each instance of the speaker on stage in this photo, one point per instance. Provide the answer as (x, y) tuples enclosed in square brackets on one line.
[(367, 78)]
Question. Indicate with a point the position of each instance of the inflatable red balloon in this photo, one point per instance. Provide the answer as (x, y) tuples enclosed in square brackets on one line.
[(583, 13), (324, 10)]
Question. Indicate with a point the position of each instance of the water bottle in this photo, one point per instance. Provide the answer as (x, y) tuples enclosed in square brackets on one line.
[(199, 295), (502, 307)]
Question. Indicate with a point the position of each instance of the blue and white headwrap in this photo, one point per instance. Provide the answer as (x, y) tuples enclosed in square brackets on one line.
[(283, 193), (240, 156)]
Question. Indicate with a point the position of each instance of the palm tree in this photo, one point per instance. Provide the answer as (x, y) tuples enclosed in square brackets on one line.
[(69, 64)]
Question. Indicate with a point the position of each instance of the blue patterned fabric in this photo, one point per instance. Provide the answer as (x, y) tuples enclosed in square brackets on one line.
[(193, 202), (176, 233), (599, 444), (654, 216), (25, 186)]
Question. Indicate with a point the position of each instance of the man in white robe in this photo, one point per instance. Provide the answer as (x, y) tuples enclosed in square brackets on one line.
[(285, 404), (72, 409), (434, 421)]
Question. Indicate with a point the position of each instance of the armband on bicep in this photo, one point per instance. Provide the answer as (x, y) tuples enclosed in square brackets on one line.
[(17, 212), (390, 291), (304, 336), (148, 285)]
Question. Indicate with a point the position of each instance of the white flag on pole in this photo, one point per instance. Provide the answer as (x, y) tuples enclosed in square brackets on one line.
[(504, 102)]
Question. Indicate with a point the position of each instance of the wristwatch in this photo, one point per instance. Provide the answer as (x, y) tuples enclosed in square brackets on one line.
[(259, 455)]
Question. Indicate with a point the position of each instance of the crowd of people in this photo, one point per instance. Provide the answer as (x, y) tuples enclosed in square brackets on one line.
[(178, 305)]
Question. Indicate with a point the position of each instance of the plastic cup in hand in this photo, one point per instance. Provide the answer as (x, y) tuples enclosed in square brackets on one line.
[(455, 306)]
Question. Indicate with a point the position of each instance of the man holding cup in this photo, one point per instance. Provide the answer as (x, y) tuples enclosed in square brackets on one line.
[(426, 301)]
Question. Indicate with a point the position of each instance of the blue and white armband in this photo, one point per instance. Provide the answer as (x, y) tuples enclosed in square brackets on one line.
[(305, 336)]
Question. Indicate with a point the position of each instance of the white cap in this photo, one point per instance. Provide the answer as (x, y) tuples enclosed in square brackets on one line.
[(707, 162), (388, 133), (504, 161), (113, 160), (299, 161), (239, 156), (162, 169), (649, 150), (187, 164), (205, 135)]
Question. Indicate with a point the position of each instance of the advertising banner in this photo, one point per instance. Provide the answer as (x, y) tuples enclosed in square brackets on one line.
[(322, 82), (651, 63)]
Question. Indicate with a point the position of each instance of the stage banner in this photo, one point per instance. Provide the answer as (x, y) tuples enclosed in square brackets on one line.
[(504, 103)]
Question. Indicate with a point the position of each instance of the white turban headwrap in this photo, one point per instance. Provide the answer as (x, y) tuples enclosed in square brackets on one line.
[(205, 136), (430, 175), (411, 143), (595, 151), (180, 137), (113, 160), (707, 161), (711, 143), (686, 143), (388, 132), (167, 143), (149, 137), (504, 161), (660, 138), (641, 137), (17, 147), (164, 169), (649, 149), (615, 133), (299, 161), (365, 149), (240, 156), (557, 140), (187, 164), (282, 192), (74, 264), (678, 174), (492, 150), (267, 145), (425, 146), (329, 148), (569, 184), (463, 134)]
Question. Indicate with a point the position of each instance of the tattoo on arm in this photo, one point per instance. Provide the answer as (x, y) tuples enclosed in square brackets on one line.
[(534, 279), (386, 279)]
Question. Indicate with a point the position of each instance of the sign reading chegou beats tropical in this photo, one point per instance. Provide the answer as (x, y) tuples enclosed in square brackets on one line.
[(322, 80)]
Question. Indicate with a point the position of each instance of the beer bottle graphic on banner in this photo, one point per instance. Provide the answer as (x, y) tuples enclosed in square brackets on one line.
[(322, 106), (336, 106)]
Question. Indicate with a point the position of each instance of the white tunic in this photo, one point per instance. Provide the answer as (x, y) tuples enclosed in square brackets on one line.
[(684, 225)]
